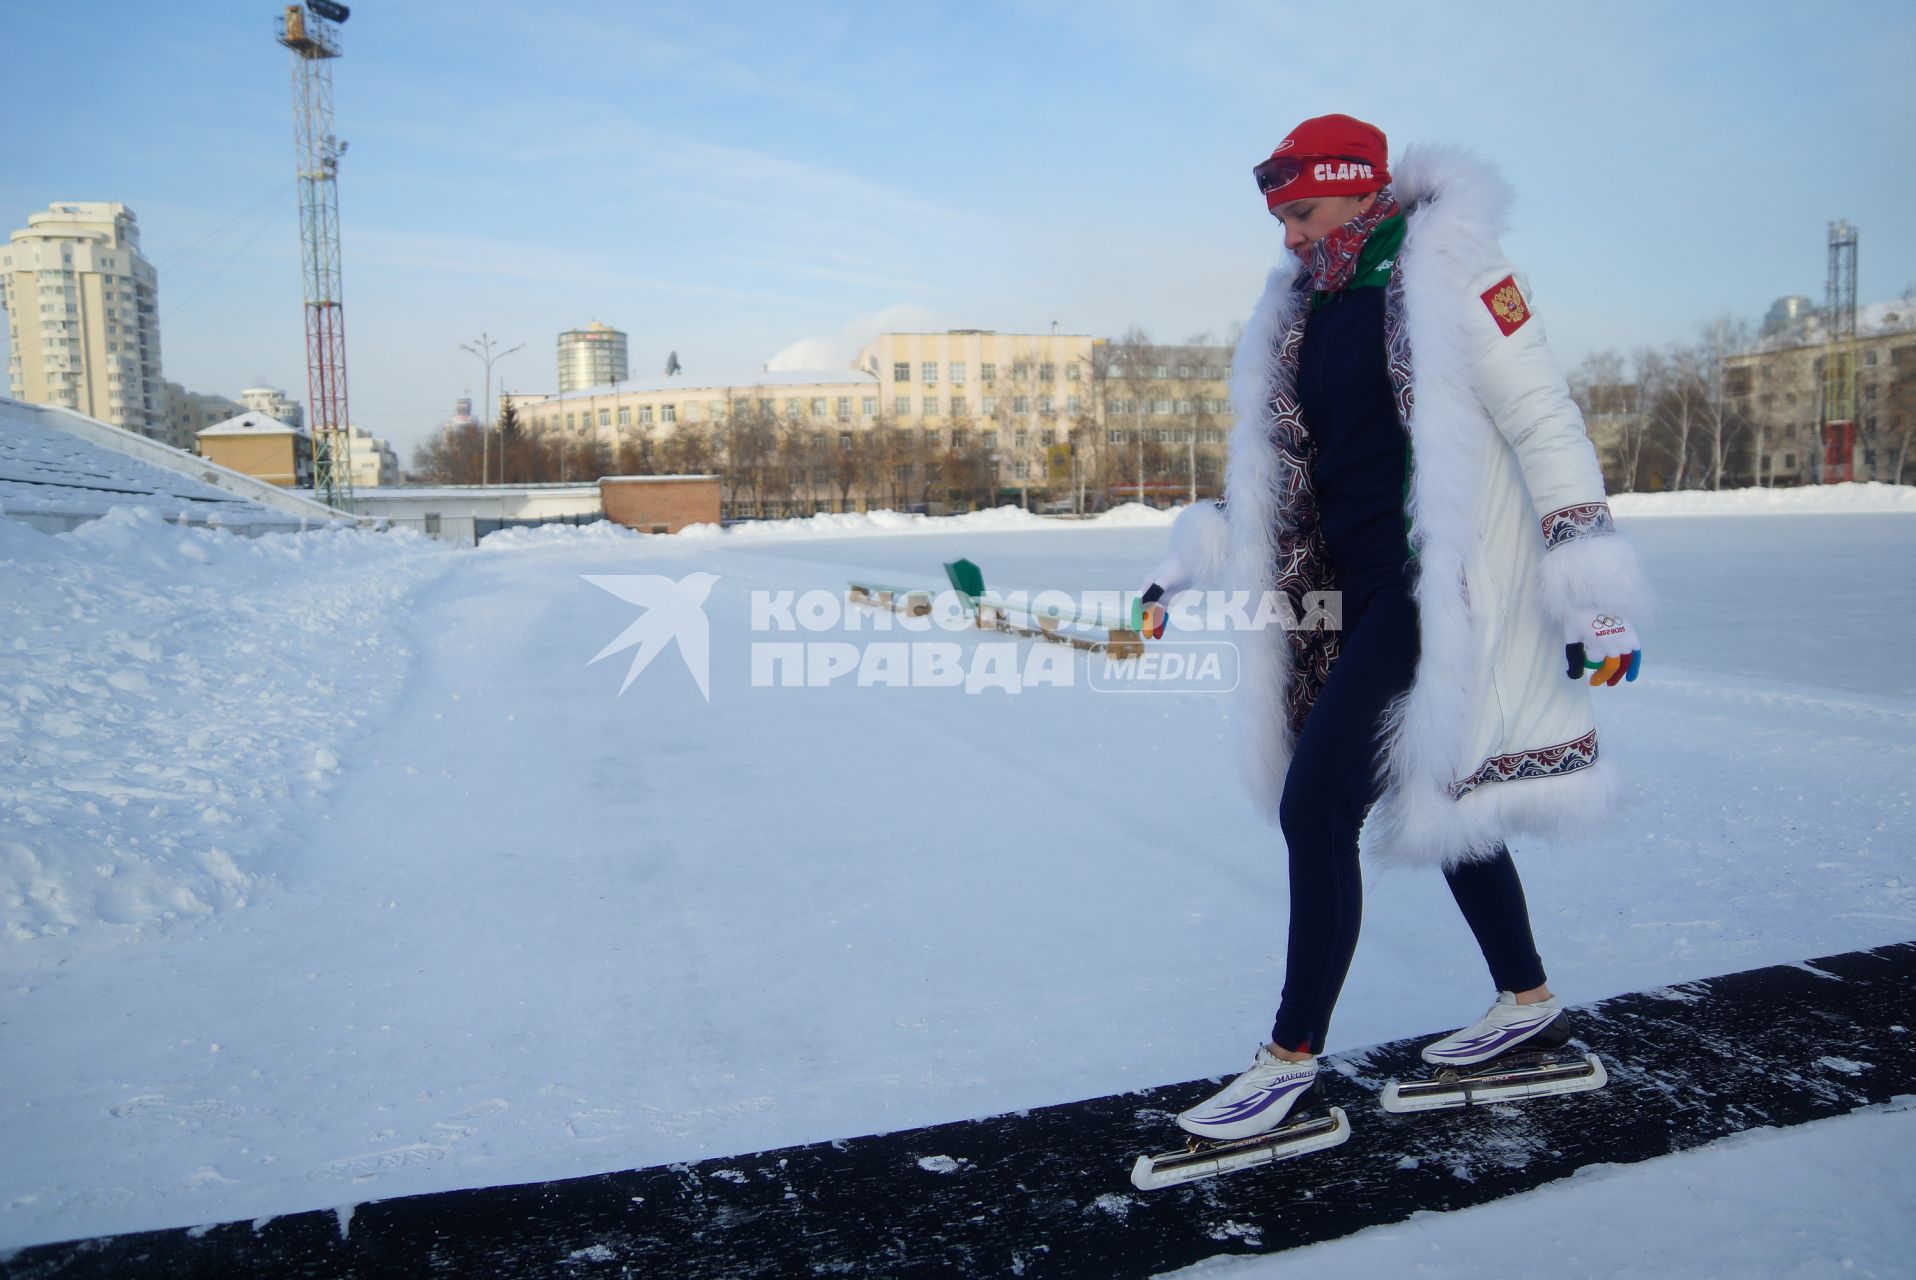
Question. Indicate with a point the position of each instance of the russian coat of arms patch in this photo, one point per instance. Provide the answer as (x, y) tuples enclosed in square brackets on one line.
[(1506, 305)]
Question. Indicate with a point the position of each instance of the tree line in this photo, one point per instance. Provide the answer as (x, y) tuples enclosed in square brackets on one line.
[(1686, 416), (773, 465), (1672, 417)]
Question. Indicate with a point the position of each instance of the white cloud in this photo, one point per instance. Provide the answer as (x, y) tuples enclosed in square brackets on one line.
[(839, 349)]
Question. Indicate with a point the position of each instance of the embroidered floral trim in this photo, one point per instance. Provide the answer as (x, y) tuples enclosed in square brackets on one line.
[(1397, 348), (1543, 762), (1303, 561), (1581, 521)]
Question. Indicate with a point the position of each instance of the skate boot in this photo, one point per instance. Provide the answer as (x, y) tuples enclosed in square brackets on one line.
[(1514, 1051), (1268, 1114), (1507, 1025), (1256, 1102)]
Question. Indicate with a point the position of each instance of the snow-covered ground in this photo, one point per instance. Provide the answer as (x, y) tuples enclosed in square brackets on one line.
[(332, 871)]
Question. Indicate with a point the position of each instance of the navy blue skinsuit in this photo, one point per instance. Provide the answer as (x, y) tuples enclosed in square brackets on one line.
[(1344, 389)]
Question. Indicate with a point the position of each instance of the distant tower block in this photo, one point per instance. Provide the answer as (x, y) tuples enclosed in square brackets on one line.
[(1839, 358), (311, 33), (591, 357)]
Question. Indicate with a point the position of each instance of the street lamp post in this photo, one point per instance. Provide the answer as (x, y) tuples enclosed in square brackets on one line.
[(482, 348)]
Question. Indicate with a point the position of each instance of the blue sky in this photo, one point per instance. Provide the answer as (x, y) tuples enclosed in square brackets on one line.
[(732, 180)]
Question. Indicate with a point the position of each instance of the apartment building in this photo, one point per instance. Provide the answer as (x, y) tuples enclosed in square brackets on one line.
[(190, 412), (274, 403), (82, 312), (372, 460), (1778, 389)]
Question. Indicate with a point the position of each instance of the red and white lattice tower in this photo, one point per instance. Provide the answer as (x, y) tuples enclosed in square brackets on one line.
[(1839, 358), (311, 32)]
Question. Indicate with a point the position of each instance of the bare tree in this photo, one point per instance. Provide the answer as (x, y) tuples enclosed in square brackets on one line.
[(1720, 422), (843, 464), (971, 470), (871, 451), (692, 449), (939, 462), (1133, 362), (1900, 411), (638, 454), (1675, 411), (1612, 402), (454, 455), (749, 444), (525, 457), (1006, 426), (1101, 469)]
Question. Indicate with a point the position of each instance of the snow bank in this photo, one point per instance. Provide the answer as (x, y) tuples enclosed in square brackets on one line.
[(1871, 498), (1814, 499), (867, 524), (557, 535), (172, 700), (887, 523), (1719, 1210), (1135, 515)]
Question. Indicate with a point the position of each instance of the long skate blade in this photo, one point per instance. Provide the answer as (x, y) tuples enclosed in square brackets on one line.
[(1573, 1075), (1152, 1173)]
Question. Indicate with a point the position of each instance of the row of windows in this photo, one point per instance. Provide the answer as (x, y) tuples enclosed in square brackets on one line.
[(956, 372), (1183, 408), (1209, 435), (1209, 372), (840, 407), (798, 477)]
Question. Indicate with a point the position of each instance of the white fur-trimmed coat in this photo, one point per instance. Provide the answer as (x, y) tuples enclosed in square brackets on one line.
[(1492, 738)]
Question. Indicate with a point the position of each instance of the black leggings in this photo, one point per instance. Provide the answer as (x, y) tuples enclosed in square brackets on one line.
[(1333, 781)]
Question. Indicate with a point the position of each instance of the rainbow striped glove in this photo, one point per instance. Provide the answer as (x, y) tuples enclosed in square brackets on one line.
[(1147, 615), (1603, 644)]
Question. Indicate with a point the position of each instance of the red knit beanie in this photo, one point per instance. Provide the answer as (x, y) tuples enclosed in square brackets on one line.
[(1325, 156)]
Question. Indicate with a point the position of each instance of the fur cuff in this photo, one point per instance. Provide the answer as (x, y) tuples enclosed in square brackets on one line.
[(1200, 541), (1599, 572)]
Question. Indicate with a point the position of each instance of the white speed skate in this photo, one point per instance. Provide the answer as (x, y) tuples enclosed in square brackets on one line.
[(1256, 1102), (1266, 1114), (1514, 1051), (1507, 1025)]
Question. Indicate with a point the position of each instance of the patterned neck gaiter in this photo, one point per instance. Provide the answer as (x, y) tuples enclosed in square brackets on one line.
[(1333, 260)]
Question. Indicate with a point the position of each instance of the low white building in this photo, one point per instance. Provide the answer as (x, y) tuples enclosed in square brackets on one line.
[(465, 513)]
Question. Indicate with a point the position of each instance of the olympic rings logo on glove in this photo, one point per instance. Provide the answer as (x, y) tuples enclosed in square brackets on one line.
[(1605, 646)]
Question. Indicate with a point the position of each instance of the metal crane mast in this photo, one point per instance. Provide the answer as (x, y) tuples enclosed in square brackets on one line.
[(311, 32), (1839, 358)]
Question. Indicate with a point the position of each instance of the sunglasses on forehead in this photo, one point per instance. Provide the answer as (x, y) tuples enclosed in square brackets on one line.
[(1280, 172)]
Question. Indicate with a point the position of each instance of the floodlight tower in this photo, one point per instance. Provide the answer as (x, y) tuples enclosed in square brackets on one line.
[(310, 31), (1839, 358)]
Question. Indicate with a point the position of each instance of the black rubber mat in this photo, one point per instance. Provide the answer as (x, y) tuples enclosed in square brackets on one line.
[(1048, 1192)]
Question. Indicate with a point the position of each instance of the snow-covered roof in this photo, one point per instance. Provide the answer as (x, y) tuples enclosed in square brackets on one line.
[(253, 424), (707, 386), (550, 488), (1873, 320)]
